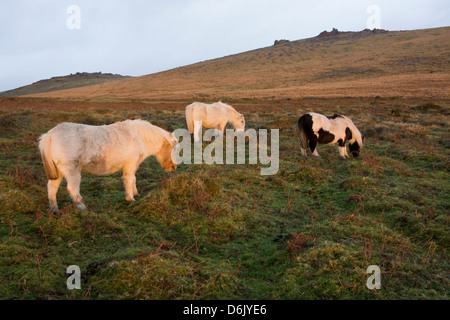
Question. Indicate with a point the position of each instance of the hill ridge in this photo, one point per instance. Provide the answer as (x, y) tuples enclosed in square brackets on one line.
[(336, 64), (76, 80)]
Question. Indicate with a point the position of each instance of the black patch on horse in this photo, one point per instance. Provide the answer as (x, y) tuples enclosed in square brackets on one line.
[(305, 124), (325, 137), (354, 148), (334, 116), (348, 134)]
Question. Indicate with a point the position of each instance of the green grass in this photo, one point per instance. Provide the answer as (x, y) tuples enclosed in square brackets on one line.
[(225, 231)]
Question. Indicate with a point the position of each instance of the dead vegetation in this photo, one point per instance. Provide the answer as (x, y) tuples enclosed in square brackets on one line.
[(366, 64)]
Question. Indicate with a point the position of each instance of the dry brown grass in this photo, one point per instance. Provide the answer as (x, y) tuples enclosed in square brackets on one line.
[(406, 64)]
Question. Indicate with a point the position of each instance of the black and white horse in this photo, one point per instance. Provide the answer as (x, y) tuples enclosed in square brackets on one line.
[(316, 128)]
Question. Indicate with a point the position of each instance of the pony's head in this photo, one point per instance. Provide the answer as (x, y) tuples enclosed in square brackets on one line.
[(239, 124), (356, 145), (164, 156), (353, 136)]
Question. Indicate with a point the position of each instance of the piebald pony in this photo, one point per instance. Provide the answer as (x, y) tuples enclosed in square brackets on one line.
[(316, 128)]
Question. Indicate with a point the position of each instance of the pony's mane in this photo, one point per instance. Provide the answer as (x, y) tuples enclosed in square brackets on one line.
[(230, 108), (149, 131)]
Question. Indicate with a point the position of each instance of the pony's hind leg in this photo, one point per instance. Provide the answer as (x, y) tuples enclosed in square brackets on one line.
[(197, 134), (304, 152), (303, 142), (52, 190), (313, 146), (315, 153), (197, 131), (135, 190)]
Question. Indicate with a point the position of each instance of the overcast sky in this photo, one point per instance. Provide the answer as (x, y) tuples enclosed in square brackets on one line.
[(138, 37)]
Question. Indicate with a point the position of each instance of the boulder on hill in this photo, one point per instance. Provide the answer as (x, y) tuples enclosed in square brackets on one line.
[(365, 32), (277, 42)]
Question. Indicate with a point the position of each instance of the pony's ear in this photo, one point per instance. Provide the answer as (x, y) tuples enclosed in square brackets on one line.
[(173, 137)]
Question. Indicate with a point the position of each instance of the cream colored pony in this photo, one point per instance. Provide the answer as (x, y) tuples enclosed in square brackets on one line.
[(215, 115), (70, 149)]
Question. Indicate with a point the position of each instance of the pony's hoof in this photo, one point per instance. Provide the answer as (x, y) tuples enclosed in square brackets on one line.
[(81, 206), (54, 210)]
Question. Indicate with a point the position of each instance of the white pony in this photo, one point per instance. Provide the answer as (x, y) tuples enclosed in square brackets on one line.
[(215, 115), (70, 149), (316, 128)]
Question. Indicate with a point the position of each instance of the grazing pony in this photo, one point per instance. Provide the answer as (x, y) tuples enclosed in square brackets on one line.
[(316, 128), (215, 115), (70, 149)]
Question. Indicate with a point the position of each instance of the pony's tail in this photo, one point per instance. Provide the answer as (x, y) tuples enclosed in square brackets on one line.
[(49, 165), (189, 119), (301, 130)]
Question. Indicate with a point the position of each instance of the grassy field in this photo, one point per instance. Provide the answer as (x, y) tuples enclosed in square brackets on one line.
[(225, 231)]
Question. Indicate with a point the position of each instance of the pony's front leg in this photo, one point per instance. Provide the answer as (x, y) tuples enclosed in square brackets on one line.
[(73, 178), (342, 152), (222, 128), (129, 181), (345, 152), (342, 149), (52, 189)]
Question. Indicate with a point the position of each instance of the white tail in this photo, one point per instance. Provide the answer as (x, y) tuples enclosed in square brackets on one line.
[(303, 137), (49, 165), (189, 119)]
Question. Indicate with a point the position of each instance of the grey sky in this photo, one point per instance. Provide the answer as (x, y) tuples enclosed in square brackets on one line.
[(138, 37)]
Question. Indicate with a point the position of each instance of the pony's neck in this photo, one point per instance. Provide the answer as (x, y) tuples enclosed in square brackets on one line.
[(356, 135), (233, 115), (152, 136)]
